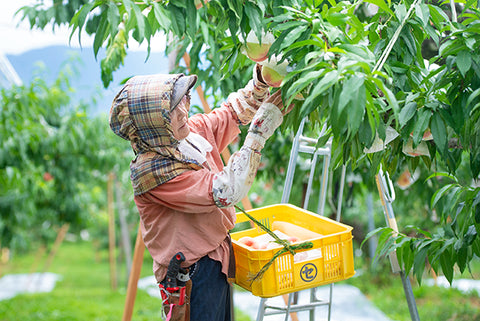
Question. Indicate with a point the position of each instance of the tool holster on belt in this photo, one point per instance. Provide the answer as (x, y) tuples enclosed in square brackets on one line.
[(176, 304), (176, 291)]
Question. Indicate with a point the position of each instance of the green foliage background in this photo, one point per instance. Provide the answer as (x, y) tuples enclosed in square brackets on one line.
[(54, 162)]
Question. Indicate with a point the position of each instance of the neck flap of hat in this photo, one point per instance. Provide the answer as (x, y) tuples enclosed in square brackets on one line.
[(158, 159)]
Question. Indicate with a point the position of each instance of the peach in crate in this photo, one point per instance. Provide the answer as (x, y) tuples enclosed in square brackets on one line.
[(329, 260)]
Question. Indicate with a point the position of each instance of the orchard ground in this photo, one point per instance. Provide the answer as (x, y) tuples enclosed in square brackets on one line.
[(83, 292)]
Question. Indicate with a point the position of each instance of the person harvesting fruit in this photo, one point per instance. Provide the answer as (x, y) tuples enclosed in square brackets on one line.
[(183, 191)]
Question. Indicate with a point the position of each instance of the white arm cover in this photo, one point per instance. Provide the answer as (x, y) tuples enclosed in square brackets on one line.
[(233, 183), (246, 101)]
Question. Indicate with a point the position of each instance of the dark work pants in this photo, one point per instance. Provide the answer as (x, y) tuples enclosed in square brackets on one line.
[(210, 298)]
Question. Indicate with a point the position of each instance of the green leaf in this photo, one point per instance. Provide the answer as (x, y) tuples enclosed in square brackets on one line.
[(301, 83), (161, 16), (419, 264), (464, 62), (407, 112), (78, 19), (255, 18), (462, 256), (292, 36), (472, 97), (447, 264), (191, 19), (476, 246), (113, 17), (337, 18), (365, 132), (100, 35), (439, 133), (177, 19), (356, 110), (422, 12), (392, 101), (451, 177), (419, 230), (421, 125), (325, 83), (350, 87), (438, 16), (470, 235), (439, 194), (382, 5), (236, 7), (475, 163), (140, 27), (408, 256)]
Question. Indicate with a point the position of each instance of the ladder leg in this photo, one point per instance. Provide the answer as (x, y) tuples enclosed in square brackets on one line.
[(312, 299), (330, 300), (323, 186), (291, 164), (289, 304), (261, 309), (310, 181)]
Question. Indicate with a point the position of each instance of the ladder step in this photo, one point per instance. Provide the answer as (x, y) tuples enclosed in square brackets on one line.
[(308, 139), (294, 307), (312, 150)]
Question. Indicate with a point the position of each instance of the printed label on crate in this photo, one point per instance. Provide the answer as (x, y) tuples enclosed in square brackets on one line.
[(308, 272)]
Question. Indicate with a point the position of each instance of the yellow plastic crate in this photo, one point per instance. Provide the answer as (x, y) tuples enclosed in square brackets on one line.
[(332, 262)]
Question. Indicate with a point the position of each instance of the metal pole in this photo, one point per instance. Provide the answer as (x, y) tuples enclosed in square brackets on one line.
[(387, 196)]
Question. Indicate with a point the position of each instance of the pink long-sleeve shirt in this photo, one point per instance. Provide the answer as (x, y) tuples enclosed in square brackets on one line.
[(181, 215)]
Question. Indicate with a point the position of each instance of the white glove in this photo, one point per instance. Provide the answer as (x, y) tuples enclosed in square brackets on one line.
[(266, 120)]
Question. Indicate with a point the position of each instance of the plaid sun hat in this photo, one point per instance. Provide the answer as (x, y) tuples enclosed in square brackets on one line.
[(140, 113)]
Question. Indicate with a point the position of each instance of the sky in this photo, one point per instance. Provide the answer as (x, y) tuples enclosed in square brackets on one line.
[(16, 37)]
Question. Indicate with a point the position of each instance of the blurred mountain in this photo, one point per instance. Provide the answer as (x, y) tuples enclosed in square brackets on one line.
[(48, 62)]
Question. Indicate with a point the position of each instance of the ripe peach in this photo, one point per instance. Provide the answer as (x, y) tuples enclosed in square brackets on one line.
[(247, 240), (258, 50), (274, 72), (405, 179), (292, 239), (47, 177)]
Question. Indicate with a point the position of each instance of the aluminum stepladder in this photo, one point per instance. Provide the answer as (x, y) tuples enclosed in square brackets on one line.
[(303, 144)]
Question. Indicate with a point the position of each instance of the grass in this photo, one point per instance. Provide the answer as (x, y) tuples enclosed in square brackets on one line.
[(84, 292)]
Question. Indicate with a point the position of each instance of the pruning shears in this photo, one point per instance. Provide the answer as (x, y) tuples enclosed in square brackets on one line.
[(175, 280)]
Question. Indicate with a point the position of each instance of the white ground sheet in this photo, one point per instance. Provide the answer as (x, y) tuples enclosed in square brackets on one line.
[(14, 284)]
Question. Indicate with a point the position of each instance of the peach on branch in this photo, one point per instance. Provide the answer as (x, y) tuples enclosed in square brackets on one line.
[(274, 71), (405, 179), (47, 177), (257, 50)]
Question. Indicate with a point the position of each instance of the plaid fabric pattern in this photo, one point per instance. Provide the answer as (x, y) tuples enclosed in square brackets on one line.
[(140, 114)]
